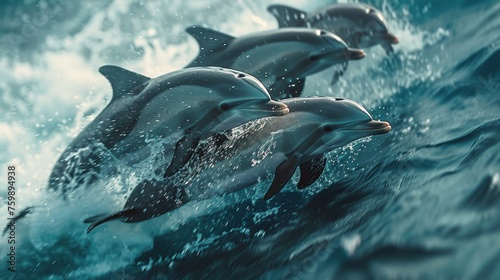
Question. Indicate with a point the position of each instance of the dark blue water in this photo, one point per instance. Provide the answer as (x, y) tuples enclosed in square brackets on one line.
[(422, 202)]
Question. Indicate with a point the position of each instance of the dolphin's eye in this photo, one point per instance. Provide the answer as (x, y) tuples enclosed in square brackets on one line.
[(224, 107), (339, 99), (240, 75), (328, 128)]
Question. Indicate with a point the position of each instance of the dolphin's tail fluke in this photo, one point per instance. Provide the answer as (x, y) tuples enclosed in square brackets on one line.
[(148, 200), (102, 218)]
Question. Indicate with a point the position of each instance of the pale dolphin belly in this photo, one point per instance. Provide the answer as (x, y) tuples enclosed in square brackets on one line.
[(230, 179)]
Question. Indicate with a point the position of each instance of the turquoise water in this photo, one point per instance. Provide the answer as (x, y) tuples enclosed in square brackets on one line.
[(420, 202)]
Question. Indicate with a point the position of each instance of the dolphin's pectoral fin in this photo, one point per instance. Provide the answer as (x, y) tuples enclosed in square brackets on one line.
[(310, 171), (208, 40), (335, 78), (100, 219), (184, 150), (339, 73), (388, 48), (283, 174), (286, 169), (287, 16), (295, 89), (95, 218), (122, 80)]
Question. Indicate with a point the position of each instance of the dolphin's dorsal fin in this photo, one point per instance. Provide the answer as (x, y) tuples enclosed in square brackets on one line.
[(209, 39), (288, 16), (310, 171), (122, 80)]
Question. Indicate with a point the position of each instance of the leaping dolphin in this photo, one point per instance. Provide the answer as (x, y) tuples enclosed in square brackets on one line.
[(280, 59), (187, 104), (276, 146), (359, 25)]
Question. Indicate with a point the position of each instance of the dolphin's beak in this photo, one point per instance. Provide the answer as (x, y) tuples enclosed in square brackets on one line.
[(272, 107), (388, 37), (372, 128), (355, 54), (345, 54)]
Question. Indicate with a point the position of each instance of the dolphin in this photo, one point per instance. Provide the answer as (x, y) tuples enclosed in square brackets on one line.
[(280, 59), (12, 221), (359, 25), (185, 105), (275, 146)]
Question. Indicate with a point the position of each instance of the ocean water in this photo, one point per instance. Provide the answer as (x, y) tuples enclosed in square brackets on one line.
[(421, 202)]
